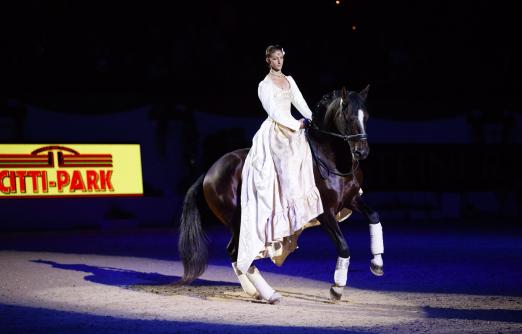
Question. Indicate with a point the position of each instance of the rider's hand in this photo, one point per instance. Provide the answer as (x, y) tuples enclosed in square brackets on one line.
[(305, 122)]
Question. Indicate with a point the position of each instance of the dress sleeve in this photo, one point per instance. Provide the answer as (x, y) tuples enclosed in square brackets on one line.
[(298, 101), (266, 97)]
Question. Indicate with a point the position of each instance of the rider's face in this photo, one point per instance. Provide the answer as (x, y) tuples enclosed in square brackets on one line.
[(276, 60)]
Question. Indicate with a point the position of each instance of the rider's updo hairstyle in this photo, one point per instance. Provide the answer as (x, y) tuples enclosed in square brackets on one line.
[(271, 49)]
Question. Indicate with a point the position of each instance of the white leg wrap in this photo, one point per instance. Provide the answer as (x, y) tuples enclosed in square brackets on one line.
[(341, 271), (376, 240), (247, 286), (259, 283)]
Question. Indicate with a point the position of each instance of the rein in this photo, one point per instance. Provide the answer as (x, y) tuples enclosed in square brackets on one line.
[(321, 163), (346, 138)]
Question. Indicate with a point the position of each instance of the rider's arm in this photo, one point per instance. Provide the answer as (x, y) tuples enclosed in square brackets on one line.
[(298, 101)]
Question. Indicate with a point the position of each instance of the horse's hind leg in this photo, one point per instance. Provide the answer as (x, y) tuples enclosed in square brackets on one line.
[(266, 292), (251, 281), (232, 249), (376, 236)]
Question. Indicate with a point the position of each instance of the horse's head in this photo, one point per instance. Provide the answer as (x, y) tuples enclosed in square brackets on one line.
[(344, 113)]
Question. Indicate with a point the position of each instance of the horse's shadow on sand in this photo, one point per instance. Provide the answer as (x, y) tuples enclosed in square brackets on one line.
[(130, 278), (165, 285), (160, 284)]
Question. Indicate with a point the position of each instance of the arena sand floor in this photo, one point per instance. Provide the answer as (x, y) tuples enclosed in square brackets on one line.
[(439, 278)]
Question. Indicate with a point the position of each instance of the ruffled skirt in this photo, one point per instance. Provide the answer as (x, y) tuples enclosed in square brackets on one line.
[(278, 194)]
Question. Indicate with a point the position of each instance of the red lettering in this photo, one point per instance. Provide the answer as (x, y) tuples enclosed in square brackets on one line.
[(63, 179), (106, 180), (34, 177), (77, 182), (12, 180), (92, 180), (44, 181), (21, 177), (3, 188)]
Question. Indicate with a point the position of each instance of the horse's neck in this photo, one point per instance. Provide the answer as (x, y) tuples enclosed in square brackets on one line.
[(326, 121), (332, 149)]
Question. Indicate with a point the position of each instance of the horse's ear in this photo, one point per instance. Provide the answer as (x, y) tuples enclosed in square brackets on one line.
[(364, 92), (344, 93)]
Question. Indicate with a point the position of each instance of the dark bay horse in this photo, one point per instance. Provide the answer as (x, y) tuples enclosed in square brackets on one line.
[(338, 140)]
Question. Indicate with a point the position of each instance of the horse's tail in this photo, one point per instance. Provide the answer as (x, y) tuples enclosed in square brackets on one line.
[(192, 244)]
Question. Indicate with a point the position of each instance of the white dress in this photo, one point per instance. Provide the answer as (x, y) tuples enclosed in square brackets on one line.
[(278, 192)]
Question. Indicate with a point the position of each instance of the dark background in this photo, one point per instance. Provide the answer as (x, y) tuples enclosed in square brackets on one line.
[(425, 61), (439, 56)]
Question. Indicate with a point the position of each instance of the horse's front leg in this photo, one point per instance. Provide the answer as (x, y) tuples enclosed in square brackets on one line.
[(330, 225), (376, 236)]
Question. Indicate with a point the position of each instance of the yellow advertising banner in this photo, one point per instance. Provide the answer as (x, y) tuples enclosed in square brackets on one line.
[(70, 170)]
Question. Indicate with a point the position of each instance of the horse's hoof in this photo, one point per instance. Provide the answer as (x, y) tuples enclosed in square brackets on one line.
[(336, 292), (376, 270), (275, 298)]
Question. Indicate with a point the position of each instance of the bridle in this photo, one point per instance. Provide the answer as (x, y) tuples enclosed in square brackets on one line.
[(347, 138)]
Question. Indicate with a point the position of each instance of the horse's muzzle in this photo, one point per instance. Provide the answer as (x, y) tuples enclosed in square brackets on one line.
[(360, 153)]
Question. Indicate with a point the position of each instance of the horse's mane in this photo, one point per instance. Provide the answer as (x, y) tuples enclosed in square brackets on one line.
[(354, 98), (324, 102)]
